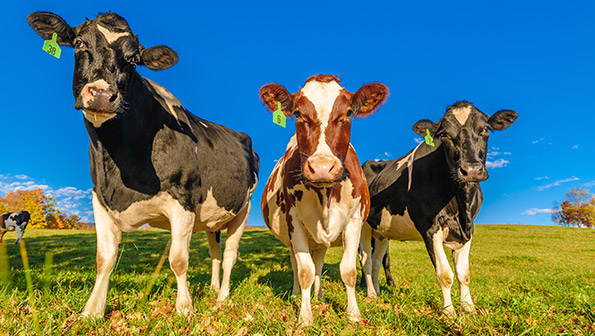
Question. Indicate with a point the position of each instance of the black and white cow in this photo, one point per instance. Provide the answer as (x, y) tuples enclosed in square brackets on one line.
[(152, 161), (14, 221), (433, 194)]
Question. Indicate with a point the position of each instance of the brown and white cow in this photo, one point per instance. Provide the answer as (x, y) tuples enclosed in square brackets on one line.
[(317, 195)]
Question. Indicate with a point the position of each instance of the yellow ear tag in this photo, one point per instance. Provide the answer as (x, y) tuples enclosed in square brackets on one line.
[(429, 139), (51, 46), (278, 116)]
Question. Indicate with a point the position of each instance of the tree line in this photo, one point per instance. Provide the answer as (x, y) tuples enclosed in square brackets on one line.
[(577, 210), (43, 210)]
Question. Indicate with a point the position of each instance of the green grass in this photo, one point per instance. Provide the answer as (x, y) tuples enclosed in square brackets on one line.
[(529, 280)]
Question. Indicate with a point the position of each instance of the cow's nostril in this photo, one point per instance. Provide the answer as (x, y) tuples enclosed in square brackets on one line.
[(463, 171), (113, 97), (311, 169)]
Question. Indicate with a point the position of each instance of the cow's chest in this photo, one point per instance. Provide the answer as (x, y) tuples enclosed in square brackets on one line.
[(325, 213)]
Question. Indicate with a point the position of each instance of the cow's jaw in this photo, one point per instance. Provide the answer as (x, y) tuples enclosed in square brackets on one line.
[(97, 118)]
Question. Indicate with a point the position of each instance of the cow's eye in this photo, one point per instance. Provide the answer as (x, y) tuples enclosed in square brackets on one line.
[(486, 131), (135, 59), (349, 113), (78, 43), (297, 113)]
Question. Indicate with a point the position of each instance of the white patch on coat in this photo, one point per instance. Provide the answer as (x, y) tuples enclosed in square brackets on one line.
[(461, 114), (323, 96), (110, 36), (209, 215), (170, 100), (397, 227), (156, 211)]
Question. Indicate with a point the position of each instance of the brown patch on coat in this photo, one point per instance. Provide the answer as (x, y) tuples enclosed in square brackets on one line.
[(307, 127), (323, 78), (358, 179)]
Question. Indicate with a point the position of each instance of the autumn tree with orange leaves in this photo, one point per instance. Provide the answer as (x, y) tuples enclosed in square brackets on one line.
[(577, 210), (44, 214)]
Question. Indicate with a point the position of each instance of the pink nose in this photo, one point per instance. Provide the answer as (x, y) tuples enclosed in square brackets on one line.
[(322, 170), (99, 97), (473, 172)]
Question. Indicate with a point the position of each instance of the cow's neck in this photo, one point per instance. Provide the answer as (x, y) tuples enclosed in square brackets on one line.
[(465, 193)]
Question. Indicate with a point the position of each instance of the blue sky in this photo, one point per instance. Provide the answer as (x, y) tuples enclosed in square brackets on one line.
[(536, 57)]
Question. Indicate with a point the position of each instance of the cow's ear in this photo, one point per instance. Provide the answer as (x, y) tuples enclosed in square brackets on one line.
[(46, 24), (272, 93), (368, 99), (158, 57), (502, 119), (421, 126)]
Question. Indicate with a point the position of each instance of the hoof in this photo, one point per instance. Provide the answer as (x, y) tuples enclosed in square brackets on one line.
[(184, 309), (354, 317), (449, 312), (305, 321), (469, 308), (91, 315)]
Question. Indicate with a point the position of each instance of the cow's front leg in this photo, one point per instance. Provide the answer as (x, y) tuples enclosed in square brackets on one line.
[(108, 239), (444, 275), (366, 258), (182, 223), (235, 230), (318, 258), (348, 265), (461, 260), (296, 284), (214, 239), (305, 268)]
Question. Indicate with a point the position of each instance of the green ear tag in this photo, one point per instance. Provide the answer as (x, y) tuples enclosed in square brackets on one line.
[(429, 139), (278, 116), (51, 46)]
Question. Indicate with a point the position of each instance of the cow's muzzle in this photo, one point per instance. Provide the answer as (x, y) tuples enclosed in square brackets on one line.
[(322, 170), (473, 172), (99, 98)]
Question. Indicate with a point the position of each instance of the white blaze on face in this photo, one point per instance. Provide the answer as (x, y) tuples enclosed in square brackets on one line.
[(461, 114), (323, 96), (110, 36)]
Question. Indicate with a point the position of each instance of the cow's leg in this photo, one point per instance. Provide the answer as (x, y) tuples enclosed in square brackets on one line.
[(214, 239), (294, 268), (182, 223), (306, 270), (380, 249), (386, 265), (318, 258), (366, 258), (461, 259), (2, 233), (235, 230), (444, 275), (108, 239), (348, 265)]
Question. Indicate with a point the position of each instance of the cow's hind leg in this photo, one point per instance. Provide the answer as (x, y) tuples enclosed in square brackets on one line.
[(108, 239), (461, 259), (386, 265), (214, 239), (318, 258), (235, 230), (182, 223), (380, 250)]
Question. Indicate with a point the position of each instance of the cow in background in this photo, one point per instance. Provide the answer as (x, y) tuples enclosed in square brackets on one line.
[(14, 221), (152, 161), (433, 194), (316, 196)]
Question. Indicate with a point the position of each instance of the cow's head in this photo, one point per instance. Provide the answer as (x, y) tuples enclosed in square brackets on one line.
[(463, 133), (323, 111), (106, 53)]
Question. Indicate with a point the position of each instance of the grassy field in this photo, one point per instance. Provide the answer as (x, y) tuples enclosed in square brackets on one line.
[(526, 280)]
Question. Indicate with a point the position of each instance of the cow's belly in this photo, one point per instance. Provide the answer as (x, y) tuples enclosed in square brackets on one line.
[(158, 210), (397, 227)]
